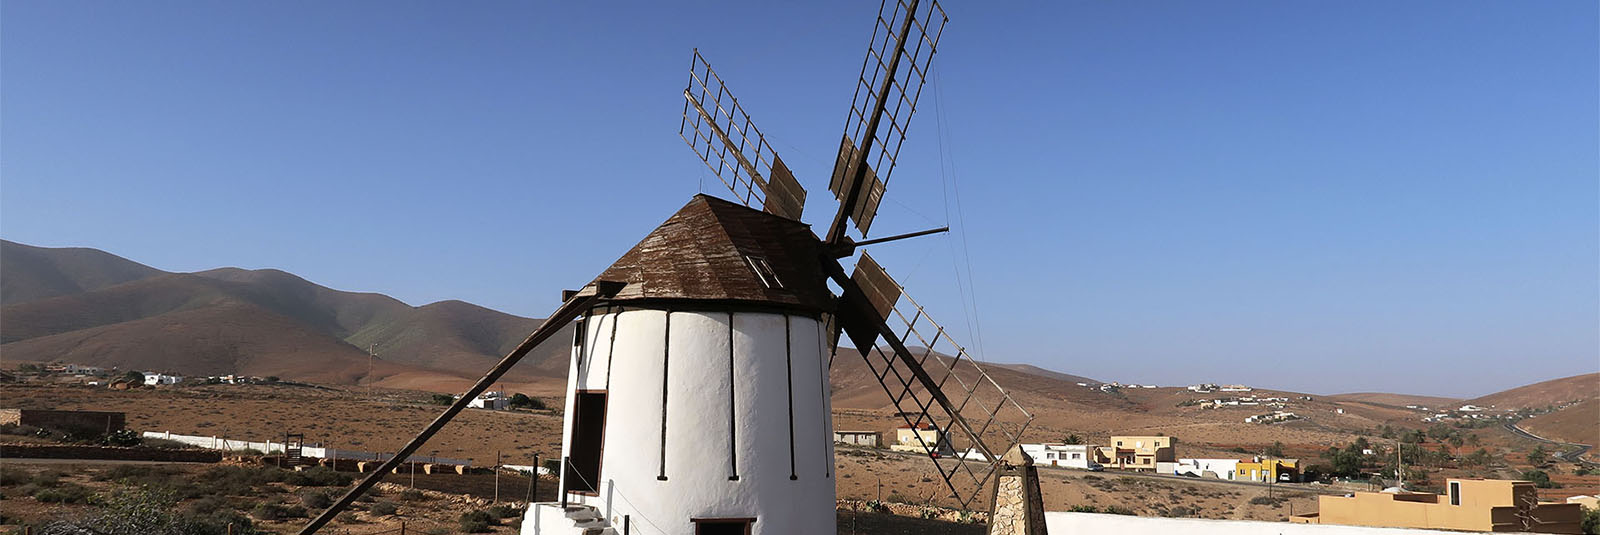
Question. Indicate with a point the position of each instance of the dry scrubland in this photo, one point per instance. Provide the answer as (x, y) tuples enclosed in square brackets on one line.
[(382, 419)]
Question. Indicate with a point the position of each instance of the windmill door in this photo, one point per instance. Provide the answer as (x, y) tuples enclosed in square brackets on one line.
[(588, 432)]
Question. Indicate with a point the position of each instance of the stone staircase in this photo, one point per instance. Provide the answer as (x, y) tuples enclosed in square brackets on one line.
[(588, 519)]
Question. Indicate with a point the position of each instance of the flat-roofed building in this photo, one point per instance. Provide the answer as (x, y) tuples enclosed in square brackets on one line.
[(1213, 468), (1068, 455), (1468, 505), (924, 438), (1259, 469), (856, 438), (1137, 452)]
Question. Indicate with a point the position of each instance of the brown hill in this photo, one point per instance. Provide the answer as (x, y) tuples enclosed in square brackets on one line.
[(1579, 423), (1397, 400), (69, 307), (1553, 392), (1035, 370), (32, 273)]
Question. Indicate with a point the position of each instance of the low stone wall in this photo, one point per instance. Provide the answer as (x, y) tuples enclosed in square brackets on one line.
[(916, 511), (51, 451), (83, 422)]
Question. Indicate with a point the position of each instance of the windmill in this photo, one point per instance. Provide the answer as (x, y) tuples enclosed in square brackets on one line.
[(929, 377), (698, 397)]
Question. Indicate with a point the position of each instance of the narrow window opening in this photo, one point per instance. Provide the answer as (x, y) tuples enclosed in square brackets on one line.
[(582, 473), (1455, 493), (763, 271)]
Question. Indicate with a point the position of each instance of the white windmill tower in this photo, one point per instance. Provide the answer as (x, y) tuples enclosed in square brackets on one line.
[(698, 395), (697, 399)]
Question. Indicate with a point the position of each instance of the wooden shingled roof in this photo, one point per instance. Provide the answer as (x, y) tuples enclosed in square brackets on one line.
[(716, 250)]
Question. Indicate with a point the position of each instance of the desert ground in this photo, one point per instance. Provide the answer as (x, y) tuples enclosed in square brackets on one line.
[(372, 419)]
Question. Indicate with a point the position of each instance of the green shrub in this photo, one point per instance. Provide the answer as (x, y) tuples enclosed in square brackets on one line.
[(316, 499), (64, 493), (236, 480), (13, 476), (442, 399), (477, 522), (505, 511), (145, 510), (273, 511), (384, 508), (318, 476), (125, 437), (215, 523), (1118, 510), (209, 505), (413, 495), (523, 401), (47, 478), (1263, 500), (1083, 509), (1539, 478)]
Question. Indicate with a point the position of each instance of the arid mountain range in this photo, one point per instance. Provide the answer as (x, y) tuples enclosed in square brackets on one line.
[(91, 307)]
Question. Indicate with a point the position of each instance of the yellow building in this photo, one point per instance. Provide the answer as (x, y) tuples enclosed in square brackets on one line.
[(937, 443), (1258, 469), (1470, 505), (1136, 453)]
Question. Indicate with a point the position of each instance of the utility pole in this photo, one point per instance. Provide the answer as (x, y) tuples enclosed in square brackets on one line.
[(1399, 465), (497, 476)]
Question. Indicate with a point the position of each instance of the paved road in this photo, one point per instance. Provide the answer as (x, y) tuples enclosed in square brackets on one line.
[(1574, 455)]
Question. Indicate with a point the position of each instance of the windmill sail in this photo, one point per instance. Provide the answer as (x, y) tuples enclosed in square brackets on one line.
[(904, 39), (719, 131), (931, 380)]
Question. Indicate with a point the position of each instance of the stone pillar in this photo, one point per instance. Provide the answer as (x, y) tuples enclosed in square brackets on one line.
[(1018, 504)]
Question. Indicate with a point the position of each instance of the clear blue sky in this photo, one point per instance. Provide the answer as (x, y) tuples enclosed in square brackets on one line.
[(1325, 197)]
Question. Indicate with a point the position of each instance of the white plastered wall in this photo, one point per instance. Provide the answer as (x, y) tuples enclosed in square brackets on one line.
[(727, 413)]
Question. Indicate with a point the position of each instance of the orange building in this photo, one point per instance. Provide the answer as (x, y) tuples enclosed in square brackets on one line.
[(1470, 505)]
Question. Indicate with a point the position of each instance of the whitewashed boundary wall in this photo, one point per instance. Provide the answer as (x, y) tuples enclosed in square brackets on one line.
[(226, 444), (1143, 525)]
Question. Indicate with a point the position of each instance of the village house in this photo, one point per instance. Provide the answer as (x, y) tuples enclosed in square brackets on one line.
[(153, 379), (1066, 455), (1469, 505), (856, 438), (906, 439), (494, 401), (1259, 469), (1138, 453), (1213, 468)]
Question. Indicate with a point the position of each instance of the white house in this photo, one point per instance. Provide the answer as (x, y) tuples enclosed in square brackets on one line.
[(1067, 455), (856, 438), (495, 401), (1216, 468), (153, 379)]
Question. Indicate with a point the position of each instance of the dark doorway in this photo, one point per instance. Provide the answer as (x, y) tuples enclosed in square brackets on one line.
[(588, 437), (723, 526)]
